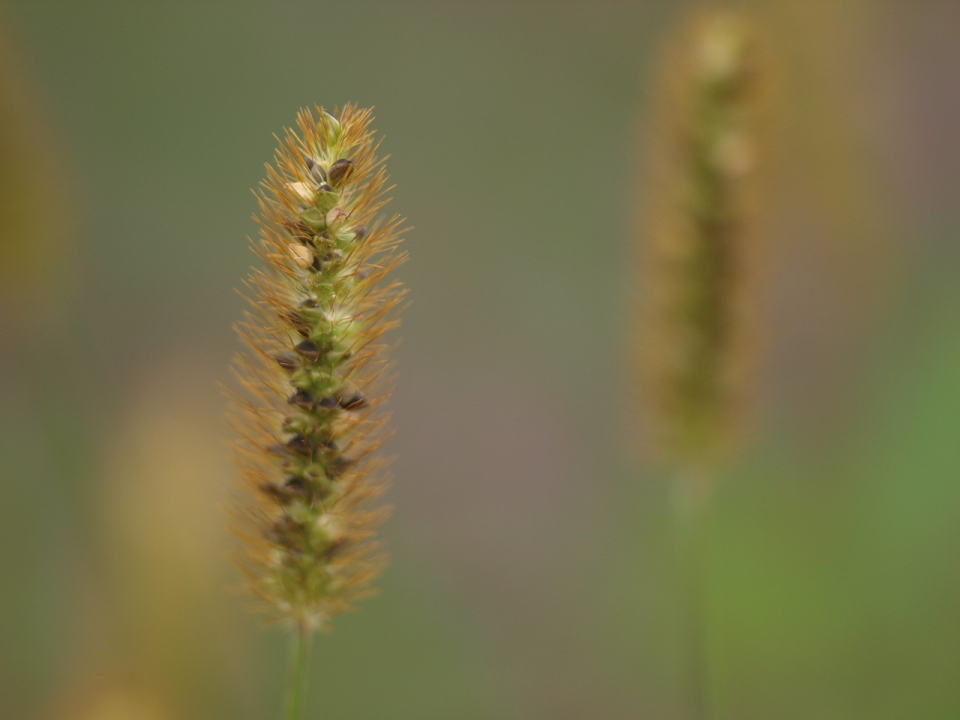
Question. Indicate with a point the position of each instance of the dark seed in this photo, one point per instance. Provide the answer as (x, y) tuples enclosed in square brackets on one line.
[(296, 484), (325, 189), (292, 489), (301, 398), (310, 350), (287, 362), (336, 548), (279, 450), (274, 491), (271, 490), (283, 532), (360, 232), (339, 465), (300, 446), (339, 171), (354, 402), (329, 402)]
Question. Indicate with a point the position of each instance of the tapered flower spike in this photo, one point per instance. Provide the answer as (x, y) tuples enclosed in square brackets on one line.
[(699, 240), (313, 376), (697, 346)]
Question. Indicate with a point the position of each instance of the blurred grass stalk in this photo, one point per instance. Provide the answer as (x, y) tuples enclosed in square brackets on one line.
[(698, 347)]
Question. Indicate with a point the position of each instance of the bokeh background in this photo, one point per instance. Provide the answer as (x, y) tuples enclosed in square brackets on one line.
[(531, 545)]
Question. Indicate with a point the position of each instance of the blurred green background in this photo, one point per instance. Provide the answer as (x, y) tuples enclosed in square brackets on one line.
[(531, 573)]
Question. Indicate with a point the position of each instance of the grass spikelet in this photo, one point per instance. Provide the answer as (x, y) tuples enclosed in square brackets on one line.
[(313, 376), (699, 239)]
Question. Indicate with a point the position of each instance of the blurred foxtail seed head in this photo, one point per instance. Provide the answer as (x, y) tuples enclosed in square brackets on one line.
[(697, 349)]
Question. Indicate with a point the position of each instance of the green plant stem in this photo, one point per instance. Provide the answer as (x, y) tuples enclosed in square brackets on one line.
[(692, 494), (298, 672)]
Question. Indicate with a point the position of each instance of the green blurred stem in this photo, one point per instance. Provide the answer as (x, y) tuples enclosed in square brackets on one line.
[(692, 495), (298, 672)]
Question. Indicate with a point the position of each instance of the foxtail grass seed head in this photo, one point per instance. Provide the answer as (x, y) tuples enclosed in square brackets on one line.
[(698, 237), (313, 376)]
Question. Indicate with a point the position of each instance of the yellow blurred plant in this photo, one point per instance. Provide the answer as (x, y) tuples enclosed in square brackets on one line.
[(699, 244)]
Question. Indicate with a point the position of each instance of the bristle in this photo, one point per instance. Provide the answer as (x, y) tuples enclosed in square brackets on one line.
[(312, 376), (699, 240)]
